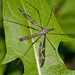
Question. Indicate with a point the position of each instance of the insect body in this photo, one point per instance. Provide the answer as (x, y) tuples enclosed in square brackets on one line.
[(44, 31)]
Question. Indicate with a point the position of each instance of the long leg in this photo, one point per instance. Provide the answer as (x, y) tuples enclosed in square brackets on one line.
[(56, 55), (58, 34), (37, 11), (22, 25), (62, 34), (24, 54), (49, 17), (28, 50)]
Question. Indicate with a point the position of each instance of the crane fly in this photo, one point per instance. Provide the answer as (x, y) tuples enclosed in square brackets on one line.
[(43, 31)]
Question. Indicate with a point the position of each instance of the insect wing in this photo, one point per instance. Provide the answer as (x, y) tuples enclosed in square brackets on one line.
[(42, 53), (27, 16)]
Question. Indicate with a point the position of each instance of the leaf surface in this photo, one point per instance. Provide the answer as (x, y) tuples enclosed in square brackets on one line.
[(16, 49)]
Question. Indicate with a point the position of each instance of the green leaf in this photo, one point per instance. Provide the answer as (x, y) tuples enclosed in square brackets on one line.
[(16, 49)]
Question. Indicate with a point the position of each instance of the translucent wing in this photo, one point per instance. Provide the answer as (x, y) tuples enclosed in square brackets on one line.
[(42, 52), (28, 17)]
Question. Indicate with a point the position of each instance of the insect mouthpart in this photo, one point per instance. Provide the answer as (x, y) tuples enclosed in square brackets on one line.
[(51, 29)]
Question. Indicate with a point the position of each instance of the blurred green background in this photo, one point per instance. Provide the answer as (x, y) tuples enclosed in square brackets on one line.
[(65, 14), (2, 42)]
